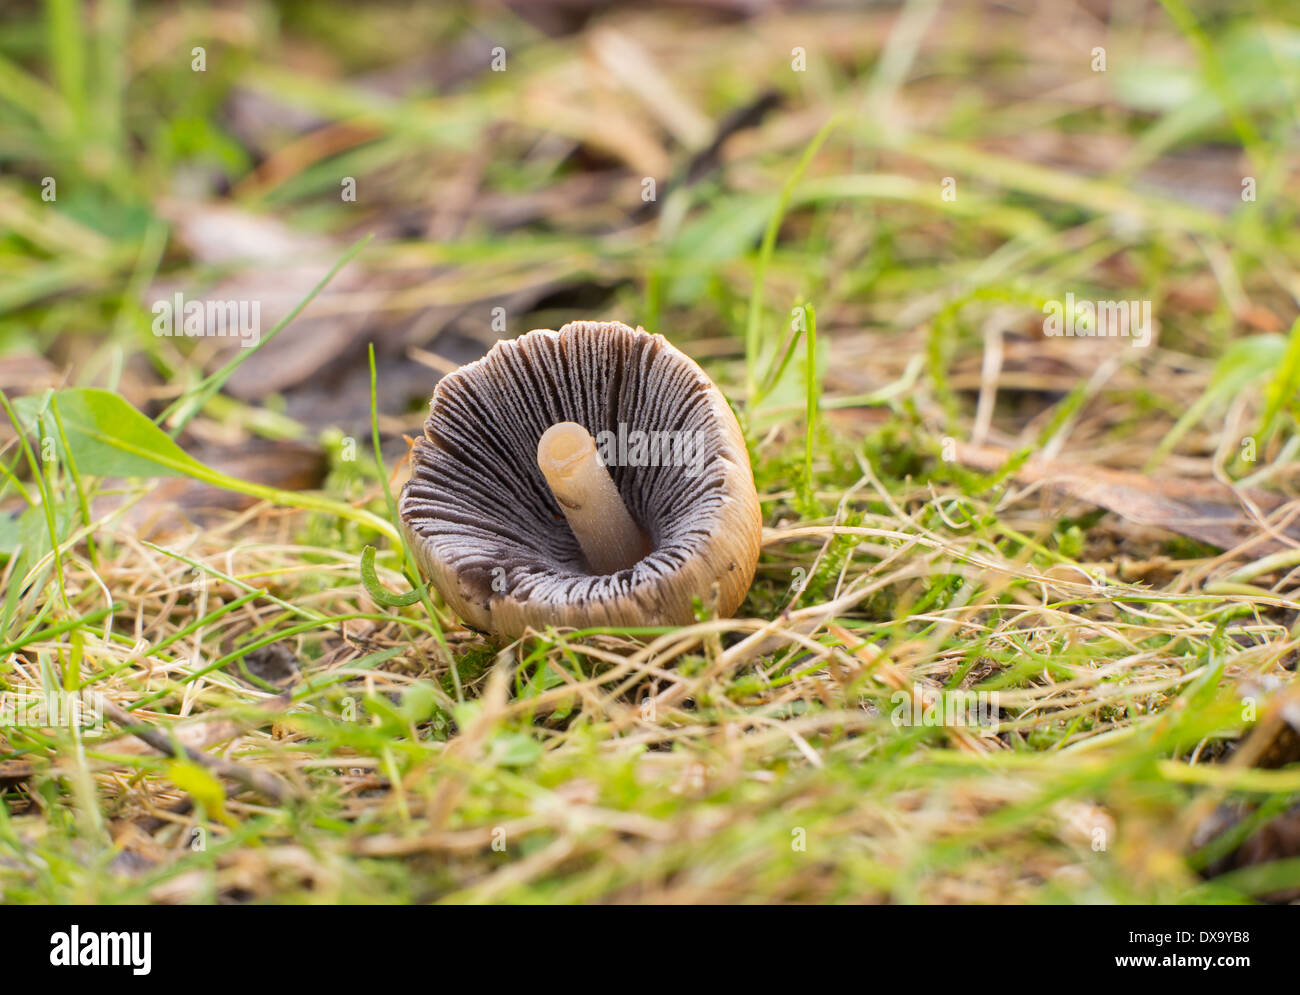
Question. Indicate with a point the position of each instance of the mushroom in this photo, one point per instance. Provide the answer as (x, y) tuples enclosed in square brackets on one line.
[(587, 477)]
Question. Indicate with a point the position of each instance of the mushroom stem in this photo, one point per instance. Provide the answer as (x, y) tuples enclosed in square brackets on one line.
[(610, 539)]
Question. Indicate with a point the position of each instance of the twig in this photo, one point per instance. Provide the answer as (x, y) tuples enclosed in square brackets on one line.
[(263, 783)]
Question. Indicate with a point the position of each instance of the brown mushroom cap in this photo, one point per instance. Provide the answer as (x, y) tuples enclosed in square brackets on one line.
[(486, 529)]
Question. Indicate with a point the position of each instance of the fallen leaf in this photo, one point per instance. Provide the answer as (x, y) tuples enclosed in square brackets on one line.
[(1204, 510)]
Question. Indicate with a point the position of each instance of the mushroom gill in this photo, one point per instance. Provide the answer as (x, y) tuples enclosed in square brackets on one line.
[(488, 530)]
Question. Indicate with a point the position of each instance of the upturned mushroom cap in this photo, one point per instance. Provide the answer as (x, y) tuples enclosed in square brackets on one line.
[(487, 530)]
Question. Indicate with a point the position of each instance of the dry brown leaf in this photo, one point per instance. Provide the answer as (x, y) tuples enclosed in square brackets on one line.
[(1204, 510)]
